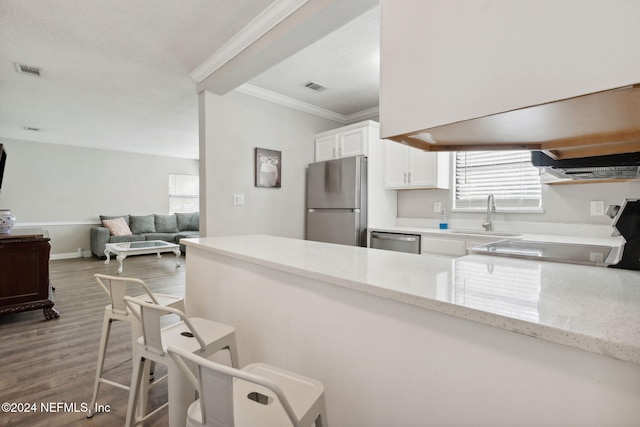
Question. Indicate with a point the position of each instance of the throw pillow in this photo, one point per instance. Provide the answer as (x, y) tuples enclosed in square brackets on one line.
[(166, 224), (142, 224), (117, 227), (126, 217)]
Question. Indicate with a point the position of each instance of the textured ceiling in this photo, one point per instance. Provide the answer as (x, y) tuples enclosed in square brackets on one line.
[(116, 73), (346, 62)]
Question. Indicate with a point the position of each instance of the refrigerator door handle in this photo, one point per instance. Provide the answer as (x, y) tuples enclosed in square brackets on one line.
[(334, 210)]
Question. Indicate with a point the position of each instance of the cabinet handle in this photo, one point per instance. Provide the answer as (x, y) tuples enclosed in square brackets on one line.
[(408, 177), (334, 152), (404, 177)]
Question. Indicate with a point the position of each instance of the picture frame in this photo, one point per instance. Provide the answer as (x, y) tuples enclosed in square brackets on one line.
[(268, 168)]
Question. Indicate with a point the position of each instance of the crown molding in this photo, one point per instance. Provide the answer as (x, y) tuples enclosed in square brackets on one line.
[(276, 98), (267, 95), (370, 113), (259, 26)]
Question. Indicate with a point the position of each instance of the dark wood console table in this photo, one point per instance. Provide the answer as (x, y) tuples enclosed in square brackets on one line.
[(24, 272)]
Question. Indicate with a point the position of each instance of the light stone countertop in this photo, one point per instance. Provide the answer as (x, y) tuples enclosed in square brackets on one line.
[(616, 243), (511, 234), (592, 308)]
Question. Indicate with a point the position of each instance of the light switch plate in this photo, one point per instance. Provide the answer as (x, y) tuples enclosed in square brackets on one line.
[(597, 207), (437, 207), (238, 199)]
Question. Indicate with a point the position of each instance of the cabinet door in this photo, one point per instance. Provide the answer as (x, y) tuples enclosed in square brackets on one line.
[(422, 168), (395, 165), (443, 246), (24, 271), (353, 142), (326, 148)]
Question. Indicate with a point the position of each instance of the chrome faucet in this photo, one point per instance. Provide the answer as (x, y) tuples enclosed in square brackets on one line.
[(491, 207)]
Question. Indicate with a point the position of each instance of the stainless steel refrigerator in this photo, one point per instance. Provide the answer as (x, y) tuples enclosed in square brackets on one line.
[(337, 201)]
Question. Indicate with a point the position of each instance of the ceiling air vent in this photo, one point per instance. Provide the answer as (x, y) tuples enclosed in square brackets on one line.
[(315, 86), (28, 69)]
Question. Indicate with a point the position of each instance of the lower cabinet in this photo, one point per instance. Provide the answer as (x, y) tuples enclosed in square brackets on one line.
[(454, 245), (443, 246), (24, 273)]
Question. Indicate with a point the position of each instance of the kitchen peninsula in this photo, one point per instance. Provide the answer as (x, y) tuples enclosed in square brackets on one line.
[(413, 340)]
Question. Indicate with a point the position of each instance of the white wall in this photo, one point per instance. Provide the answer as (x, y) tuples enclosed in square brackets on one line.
[(448, 61), (64, 188), (231, 127), (561, 204)]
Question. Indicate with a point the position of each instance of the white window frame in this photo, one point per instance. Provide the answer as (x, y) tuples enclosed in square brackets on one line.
[(512, 166), (175, 192)]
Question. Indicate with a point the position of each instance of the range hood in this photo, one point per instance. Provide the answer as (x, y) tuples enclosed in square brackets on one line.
[(596, 124), (610, 167)]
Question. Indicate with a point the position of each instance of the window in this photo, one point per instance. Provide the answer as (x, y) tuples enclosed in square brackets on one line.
[(184, 193), (508, 175)]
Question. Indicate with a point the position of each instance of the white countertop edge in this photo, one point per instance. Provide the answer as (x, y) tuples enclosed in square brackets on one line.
[(592, 344), (523, 227), (452, 232)]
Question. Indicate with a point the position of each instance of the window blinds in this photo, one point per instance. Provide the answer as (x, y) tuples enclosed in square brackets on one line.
[(184, 193), (508, 175)]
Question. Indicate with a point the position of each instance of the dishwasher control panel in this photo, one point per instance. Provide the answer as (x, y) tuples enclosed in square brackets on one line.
[(398, 242)]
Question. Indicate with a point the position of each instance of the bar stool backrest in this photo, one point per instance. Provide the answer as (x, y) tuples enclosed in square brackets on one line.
[(151, 329), (216, 394), (116, 288), (149, 315), (214, 383)]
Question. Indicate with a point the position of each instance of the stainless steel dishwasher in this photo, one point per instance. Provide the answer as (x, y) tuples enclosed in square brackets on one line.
[(398, 242)]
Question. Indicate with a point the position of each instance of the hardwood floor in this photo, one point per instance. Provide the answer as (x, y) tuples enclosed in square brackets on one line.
[(53, 362)]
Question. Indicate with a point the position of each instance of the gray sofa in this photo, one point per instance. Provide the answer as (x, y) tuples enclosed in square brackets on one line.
[(170, 228)]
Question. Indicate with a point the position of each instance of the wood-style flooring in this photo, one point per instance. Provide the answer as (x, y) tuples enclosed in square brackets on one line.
[(53, 363)]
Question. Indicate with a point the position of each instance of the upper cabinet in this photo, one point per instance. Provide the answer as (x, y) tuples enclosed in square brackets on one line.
[(344, 142), (460, 74), (411, 168)]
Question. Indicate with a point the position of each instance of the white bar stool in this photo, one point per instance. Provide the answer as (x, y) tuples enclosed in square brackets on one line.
[(257, 395), (194, 335), (117, 288)]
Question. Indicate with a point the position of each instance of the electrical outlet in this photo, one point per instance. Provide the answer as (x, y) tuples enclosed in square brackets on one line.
[(437, 207), (597, 207), (238, 199)]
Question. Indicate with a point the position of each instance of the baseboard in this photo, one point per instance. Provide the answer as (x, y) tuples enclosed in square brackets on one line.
[(68, 255)]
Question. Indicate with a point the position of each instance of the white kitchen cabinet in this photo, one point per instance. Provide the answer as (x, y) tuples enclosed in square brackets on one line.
[(448, 61), (326, 148), (453, 244), (443, 246), (348, 141), (395, 165), (410, 168)]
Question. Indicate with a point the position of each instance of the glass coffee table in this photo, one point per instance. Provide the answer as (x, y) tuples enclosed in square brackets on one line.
[(124, 249)]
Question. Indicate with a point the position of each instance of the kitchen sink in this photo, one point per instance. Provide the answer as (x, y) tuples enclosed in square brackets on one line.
[(485, 233), (570, 253)]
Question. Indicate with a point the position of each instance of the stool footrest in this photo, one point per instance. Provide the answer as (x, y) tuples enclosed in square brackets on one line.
[(158, 381), (150, 414), (115, 384)]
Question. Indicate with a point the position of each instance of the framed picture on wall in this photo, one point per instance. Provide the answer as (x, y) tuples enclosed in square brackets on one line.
[(268, 168)]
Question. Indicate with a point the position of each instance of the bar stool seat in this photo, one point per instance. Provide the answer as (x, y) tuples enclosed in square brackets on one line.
[(116, 288), (193, 335)]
